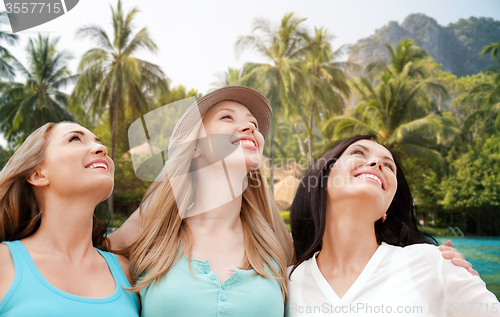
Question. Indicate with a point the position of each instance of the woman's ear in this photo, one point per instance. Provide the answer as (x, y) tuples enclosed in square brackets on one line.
[(38, 178)]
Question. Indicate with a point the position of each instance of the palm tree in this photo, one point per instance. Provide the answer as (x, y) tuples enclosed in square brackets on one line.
[(326, 89), (282, 47), (111, 79), (6, 70), (26, 106), (488, 94), (229, 78), (493, 49), (395, 106), (405, 56)]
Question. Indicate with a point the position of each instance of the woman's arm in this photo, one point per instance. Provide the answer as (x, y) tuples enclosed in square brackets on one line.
[(456, 257), (126, 234), (7, 271)]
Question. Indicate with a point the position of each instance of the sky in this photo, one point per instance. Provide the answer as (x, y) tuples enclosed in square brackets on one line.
[(196, 39)]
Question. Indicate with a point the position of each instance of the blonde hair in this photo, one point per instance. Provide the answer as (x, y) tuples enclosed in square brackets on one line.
[(20, 212), (157, 248)]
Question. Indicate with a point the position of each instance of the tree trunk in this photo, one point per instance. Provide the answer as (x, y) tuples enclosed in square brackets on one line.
[(310, 137), (301, 142), (274, 108), (112, 119), (271, 155)]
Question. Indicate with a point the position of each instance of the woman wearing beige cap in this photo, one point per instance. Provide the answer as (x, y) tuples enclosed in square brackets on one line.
[(208, 239), (207, 246)]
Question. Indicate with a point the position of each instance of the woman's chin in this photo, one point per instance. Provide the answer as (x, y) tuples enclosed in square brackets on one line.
[(100, 187), (253, 161), (365, 193), (252, 166)]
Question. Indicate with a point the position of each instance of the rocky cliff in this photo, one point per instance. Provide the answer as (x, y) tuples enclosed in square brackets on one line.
[(455, 46)]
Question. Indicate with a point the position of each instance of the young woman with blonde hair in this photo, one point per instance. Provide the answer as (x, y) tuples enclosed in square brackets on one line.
[(208, 239), (49, 264), (204, 244)]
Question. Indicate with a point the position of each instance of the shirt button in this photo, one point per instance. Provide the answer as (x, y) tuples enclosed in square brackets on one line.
[(207, 271), (222, 310), (223, 298), (213, 277)]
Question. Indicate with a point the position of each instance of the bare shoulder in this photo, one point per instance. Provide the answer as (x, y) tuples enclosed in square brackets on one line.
[(7, 271), (124, 263)]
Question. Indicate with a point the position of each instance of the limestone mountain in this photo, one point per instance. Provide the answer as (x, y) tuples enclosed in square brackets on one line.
[(455, 46)]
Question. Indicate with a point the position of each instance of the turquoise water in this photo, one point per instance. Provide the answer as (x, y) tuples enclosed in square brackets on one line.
[(484, 255)]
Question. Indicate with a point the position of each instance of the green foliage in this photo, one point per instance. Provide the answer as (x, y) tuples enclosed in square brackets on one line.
[(112, 80), (6, 70), (4, 157), (283, 47), (434, 231), (129, 189), (286, 216), (173, 94), (230, 77), (117, 221), (394, 105), (24, 107), (416, 108), (476, 33), (324, 93), (474, 181)]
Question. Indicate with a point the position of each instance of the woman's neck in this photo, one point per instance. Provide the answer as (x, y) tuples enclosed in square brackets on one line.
[(218, 200), (65, 227), (223, 218), (348, 243)]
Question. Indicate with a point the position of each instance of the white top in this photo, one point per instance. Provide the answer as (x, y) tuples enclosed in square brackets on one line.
[(411, 281)]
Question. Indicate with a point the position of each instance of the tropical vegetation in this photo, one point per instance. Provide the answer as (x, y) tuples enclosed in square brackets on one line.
[(443, 128)]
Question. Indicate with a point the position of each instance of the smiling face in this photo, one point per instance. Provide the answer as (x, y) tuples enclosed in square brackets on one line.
[(366, 174), (76, 163), (231, 125)]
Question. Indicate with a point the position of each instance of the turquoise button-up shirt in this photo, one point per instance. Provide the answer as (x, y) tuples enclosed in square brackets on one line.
[(182, 293)]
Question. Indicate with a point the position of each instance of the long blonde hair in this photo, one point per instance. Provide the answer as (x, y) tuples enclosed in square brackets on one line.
[(20, 213), (157, 248)]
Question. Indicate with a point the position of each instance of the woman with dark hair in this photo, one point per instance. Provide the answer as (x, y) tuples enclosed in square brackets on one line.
[(358, 248)]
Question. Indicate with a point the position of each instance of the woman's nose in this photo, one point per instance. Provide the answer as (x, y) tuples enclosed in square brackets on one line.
[(100, 149), (249, 127), (374, 162)]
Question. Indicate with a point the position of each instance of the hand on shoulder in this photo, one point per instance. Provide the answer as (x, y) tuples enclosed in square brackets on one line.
[(457, 258), (7, 271)]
